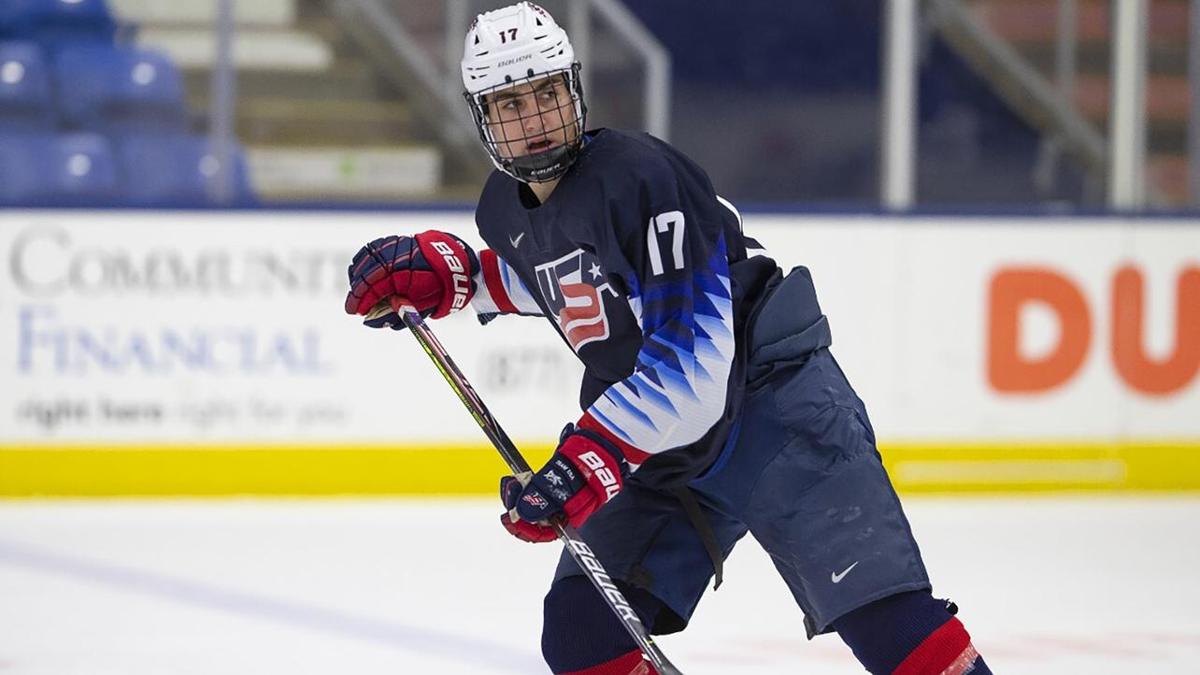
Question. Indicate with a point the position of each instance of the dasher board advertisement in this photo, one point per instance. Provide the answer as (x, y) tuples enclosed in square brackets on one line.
[(992, 353)]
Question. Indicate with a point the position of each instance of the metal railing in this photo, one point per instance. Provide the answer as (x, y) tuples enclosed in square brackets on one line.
[(442, 82), (378, 29), (222, 137), (1047, 105), (1193, 74), (899, 110), (1050, 106), (1020, 85), (657, 87), (1127, 121)]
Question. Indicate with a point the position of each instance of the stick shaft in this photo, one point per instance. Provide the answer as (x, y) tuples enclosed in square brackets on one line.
[(576, 547)]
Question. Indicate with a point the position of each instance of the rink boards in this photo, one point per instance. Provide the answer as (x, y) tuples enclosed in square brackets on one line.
[(208, 353)]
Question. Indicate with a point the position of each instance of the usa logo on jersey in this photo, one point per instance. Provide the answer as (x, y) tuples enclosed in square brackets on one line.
[(573, 287)]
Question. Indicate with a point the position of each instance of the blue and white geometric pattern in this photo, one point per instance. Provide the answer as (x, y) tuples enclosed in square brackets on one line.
[(677, 391)]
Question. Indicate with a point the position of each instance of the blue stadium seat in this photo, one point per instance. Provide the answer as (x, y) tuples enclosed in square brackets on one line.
[(42, 169), (119, 90), (57, 22), (25, 99), (175, 170)]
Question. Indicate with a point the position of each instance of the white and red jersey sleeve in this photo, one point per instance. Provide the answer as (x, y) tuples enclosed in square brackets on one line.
[(498, 289)]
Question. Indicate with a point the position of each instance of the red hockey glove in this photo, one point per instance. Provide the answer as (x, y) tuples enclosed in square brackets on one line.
[(583, 474), (431, 271)]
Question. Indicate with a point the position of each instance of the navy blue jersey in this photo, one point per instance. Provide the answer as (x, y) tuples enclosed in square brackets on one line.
[(645, 273)]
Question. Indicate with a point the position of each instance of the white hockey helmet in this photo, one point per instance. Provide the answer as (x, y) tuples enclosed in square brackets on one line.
[(515, 45)]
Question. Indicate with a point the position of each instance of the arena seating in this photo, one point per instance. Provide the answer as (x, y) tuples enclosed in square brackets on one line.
[(49, 169), (26, 102), (57, 22), (85, 121), (165, 169), (119, 90)]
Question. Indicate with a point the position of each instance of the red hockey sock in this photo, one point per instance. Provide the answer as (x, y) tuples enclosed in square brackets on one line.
[(947, 651), (625, 664)]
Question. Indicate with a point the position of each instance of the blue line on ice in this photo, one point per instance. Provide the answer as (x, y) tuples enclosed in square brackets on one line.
[(442, 644)]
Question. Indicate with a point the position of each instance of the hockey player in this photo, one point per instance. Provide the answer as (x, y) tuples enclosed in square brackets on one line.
[(712, 406)]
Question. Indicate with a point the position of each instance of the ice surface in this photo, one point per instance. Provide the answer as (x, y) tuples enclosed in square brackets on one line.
[(1046, 585)]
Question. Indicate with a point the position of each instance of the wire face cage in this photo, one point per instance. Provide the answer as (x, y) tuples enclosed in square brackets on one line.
[(532, 127)]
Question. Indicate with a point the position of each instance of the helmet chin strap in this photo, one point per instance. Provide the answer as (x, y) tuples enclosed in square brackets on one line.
[(544, 166)]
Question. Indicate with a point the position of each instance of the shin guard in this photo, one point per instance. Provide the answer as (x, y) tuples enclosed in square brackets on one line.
[(910, 634), (580, 634), (947, 651)]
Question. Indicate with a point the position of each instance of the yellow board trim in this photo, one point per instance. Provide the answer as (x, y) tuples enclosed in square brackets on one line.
[(1144, 466), (224, 470), (194, 470)]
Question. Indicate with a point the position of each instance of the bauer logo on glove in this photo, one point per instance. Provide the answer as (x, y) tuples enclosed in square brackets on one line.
[(432, 272), (583, 474)]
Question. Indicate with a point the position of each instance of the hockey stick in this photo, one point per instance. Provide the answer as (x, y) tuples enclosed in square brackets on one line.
[(516, 463)]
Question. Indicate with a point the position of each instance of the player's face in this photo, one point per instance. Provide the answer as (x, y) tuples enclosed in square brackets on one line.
[(532, 117)]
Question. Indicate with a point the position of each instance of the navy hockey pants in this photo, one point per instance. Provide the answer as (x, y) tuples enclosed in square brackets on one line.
[(800, 472)]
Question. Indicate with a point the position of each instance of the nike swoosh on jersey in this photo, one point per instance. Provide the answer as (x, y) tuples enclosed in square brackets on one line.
[(837, 578), (516, 241)]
